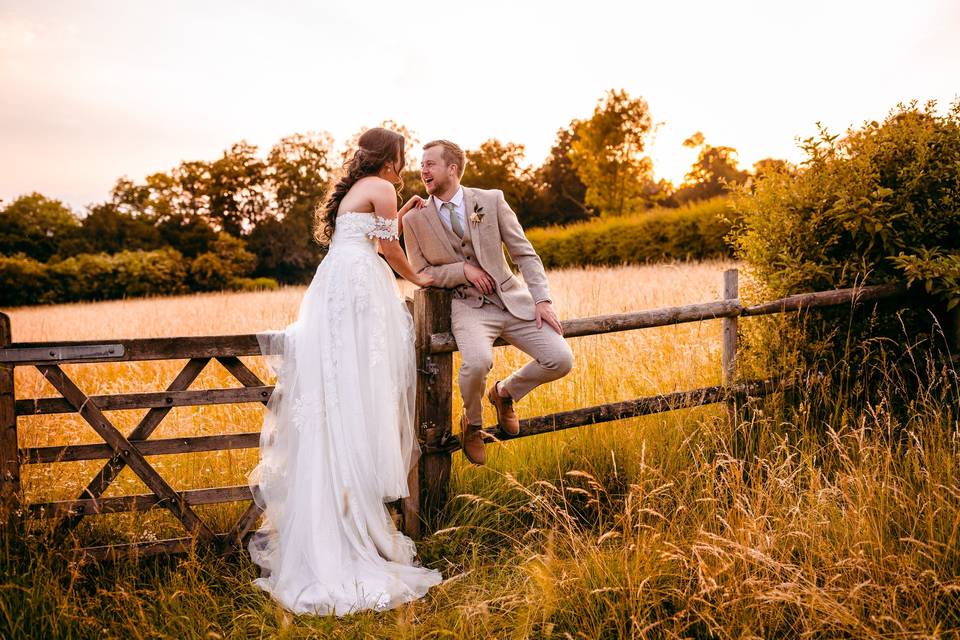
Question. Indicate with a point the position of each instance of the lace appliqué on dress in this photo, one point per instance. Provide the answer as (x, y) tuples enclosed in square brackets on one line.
[(384, 228), (306, 408)]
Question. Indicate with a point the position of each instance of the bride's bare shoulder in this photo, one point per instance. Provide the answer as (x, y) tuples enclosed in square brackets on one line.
[(365, 193)]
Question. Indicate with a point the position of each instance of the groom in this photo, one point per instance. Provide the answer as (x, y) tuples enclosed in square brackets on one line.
[(457, 237)]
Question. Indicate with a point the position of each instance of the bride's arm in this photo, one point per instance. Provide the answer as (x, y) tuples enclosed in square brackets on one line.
[(385, 207), (414, 201)]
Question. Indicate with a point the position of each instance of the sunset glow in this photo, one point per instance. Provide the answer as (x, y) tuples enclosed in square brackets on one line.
[(92, 91)]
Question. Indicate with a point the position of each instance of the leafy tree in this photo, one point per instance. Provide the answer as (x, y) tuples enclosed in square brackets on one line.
[(714, 172), (499, 165), (767, 166), (177, 203), (189, 192), (237, 190), (181, 194), (285, 248), (190, 236), (561, 192), (108, 229), (607, 153), (299, 168), (36, 226)]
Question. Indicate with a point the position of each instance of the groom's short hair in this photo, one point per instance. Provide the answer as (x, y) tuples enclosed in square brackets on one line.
[(451, 154)]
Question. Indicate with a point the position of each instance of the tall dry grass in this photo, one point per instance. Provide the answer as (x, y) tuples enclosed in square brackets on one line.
[(832, 520)]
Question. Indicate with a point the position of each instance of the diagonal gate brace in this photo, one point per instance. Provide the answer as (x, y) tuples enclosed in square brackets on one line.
[(125, 453)]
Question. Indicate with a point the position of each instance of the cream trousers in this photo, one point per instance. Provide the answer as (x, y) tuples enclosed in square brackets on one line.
[(475, 329)]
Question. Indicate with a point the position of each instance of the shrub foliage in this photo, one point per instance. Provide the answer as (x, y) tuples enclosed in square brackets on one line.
[(880, 204)]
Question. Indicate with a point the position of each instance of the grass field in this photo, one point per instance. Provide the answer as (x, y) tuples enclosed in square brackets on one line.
[(678, 525)]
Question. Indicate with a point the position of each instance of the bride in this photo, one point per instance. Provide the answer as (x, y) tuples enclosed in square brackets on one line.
[(338, 437)]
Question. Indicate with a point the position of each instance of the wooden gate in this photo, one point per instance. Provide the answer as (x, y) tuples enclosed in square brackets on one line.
[(428, 482)]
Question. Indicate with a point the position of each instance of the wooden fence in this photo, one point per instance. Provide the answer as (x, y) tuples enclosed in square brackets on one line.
[(428, 481)]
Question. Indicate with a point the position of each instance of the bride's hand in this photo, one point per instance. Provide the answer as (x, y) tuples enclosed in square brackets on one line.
[(424, 280), (414, 201)]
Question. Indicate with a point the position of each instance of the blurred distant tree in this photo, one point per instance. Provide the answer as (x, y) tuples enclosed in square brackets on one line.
[(183, 193), (300, 167), (190, 190), (285, 248), (107, 229), (499, 165), (237, 190), (36, 226), (561, 192), (411, 143), (715, 171), (607, 153), (176, 203), (768, 166), (190, 236), (412, 185)]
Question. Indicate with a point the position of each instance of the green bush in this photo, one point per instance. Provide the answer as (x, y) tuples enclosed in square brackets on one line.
[(208, 272), (149, 273), (878, 205), (23, 280), (99, 276), (693, 232), (92, 276), (216, 269), (128, 274), (87, 276)]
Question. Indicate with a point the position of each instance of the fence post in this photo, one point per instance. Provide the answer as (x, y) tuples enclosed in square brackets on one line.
[(9, 455), (429, 480), (731, 291)]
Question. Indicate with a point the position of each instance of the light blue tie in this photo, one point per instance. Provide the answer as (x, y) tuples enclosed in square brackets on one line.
[(454, 219)]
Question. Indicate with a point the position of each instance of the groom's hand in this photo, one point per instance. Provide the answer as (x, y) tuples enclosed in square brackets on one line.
[(545, 314), (479, 278)]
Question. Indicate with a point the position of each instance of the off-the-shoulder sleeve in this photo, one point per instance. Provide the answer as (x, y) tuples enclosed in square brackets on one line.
[(384, 228)]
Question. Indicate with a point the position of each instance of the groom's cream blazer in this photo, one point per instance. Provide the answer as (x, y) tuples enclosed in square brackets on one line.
[(491, 224)]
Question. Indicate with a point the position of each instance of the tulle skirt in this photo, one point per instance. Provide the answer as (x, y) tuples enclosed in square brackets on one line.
[(338, 441)]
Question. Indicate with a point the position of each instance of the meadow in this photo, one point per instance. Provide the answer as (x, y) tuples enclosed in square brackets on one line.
[(831, 520)]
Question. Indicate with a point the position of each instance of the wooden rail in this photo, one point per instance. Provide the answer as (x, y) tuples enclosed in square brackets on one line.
[(434, 402)]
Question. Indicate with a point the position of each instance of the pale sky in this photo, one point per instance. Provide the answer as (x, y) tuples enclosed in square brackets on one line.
[(94, 90)]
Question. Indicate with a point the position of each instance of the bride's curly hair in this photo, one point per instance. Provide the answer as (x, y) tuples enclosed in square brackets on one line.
[(376, 147)]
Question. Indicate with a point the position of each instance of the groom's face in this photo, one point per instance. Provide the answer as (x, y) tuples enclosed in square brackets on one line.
[(436, 174)]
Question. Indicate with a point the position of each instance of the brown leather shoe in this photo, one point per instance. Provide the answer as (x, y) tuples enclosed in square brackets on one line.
[(506, 417), (471, 439)]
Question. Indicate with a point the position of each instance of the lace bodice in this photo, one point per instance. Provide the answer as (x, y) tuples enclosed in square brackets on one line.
[(359, 224)]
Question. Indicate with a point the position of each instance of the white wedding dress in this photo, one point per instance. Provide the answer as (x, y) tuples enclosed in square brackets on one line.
[(338, 438)]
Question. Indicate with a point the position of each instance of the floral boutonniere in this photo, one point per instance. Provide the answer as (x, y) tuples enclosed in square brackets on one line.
[(477, 216)]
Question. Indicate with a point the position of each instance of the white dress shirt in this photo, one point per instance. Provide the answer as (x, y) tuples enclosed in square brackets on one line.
[(458, 206)]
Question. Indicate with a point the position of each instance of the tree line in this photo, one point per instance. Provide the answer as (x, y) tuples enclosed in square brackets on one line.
[(249, 215)]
